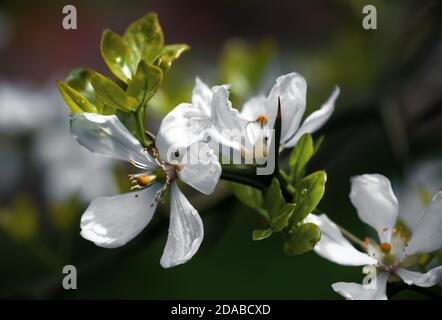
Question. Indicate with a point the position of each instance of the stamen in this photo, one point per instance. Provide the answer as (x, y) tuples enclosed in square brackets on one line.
[(385, 247), (262, 120)]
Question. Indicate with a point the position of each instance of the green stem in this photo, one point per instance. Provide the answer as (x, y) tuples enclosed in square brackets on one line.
[(139, 123), (245, 176)]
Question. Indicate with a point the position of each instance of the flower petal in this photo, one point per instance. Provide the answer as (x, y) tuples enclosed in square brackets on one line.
[(185, 231), (429, 279), (334, 247), (202, 97), (224, 116), (355, 291), (183, 126), (291, 89), (111, 222), (315, 120), (254, 107), (107, 136), (426, 235), (200, 168), (377, 206)]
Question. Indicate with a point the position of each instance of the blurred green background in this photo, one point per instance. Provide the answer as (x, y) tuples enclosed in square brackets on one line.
[(388, 120)]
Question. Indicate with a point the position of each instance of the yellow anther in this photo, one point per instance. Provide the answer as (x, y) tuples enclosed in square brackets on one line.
[(144, 181), (385, 247), (262, 120)]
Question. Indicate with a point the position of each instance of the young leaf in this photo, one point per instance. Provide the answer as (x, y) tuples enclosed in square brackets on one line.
[(144, 38), (111, 94), (300, 156), (249, 196), (302, 239), (75, 101), (261, 234), (145, 83), (281, 219), (117, 55), (80, 80), (273, 199), (308, 194), (169, 54)]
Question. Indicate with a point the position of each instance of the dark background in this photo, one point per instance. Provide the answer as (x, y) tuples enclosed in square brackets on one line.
[(388, 118)]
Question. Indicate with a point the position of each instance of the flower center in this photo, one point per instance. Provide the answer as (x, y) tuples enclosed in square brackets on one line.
[(385, 247), (171, 171)]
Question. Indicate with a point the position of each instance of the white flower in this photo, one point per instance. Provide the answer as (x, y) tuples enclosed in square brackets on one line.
[(377, 206), (422, 181), (113, 221), (211, 114)]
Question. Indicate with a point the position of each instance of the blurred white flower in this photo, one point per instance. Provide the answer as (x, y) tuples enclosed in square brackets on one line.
[(377, 206), (23, 109), (111, 222), (422, 181), (66, 165)]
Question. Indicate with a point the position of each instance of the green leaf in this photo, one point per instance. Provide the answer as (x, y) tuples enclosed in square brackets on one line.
[(118, 57), (300, 156), (75, 101), (249, 196), (144, 38), (145, 83), (280, 220), (302, 238), (169, 54), (261, 234), (309, 193), (80, 80), (273, 199), (111, 94)]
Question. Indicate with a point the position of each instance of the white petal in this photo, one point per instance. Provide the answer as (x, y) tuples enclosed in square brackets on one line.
[(377, 206), (200, 168), (186, 231), (202, 97), (426, 235), (334, 247), (254, 107), (224, 116), (315, 120), (183, 126), (429, 279), (111, 222), (107, 136), (291, 90), (355, 291)]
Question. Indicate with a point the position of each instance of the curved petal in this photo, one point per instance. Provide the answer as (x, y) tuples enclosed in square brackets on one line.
[(429, 279), (224, 116), (426, 235), (254, 107), (111, 222), (200, 168), (202, 97), (315, 120), (377, 206), (186, 231), (180, 128), (291, 89), (355, 291), (107, 136), (334, 247)]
